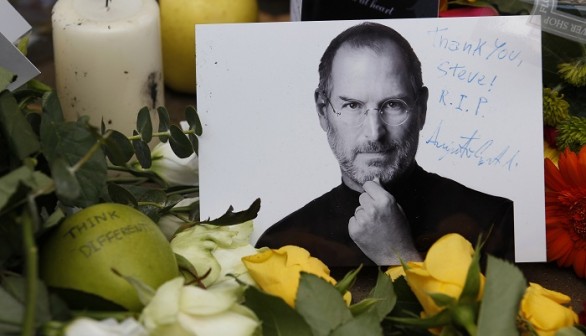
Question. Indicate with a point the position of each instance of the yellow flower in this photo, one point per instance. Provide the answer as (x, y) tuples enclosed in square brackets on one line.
[(574, 72), (395, 272), (444, 271), (572, 133), (277, 272), (555, 107), (551, 153), (544, 309)]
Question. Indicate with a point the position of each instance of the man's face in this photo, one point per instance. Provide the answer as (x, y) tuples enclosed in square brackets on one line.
[(365, 79)]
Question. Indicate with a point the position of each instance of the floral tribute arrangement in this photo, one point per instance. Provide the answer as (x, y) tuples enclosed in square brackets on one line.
[(100, 235)]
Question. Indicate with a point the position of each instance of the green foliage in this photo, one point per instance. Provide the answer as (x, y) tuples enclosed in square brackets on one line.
[(12, 307), (6, 77), (278, 319), (18, 133), (384, 293), (50, 166), (230, 217), (505, 285), (321, 305), (321, 310)]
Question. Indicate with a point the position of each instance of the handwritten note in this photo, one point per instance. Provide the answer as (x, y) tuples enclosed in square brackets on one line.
[(483, 125)]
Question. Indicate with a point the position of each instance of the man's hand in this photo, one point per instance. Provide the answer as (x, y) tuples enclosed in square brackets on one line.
[(380, 229)]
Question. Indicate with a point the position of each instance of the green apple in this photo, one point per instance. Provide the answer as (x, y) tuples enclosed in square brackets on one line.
[(79, 256), (178, 19)]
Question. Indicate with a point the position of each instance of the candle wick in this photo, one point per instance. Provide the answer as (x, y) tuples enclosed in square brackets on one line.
[(107, 4)]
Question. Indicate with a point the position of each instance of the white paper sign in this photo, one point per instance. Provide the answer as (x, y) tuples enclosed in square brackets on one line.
[(12, 24), (262, 138), (12, 27)]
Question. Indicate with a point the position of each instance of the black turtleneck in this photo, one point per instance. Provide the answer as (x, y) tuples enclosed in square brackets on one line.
[(434, 206)]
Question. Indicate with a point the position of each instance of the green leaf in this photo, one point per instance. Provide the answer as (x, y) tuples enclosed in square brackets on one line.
[(407, 303), (143, 152), (440, 319), (72, 142), (230, 218), (320, 304), (385, 293), (194, 143), (19, 134), (118, 194), (505, 286), (11, 241), (278, 318), (144, 124), (164, 123), (23, 43), (11, 183), (348, 281), (12, 298), (364, 324), (193, 120), (66, 184), (471, 288), (442, 300), (155, 201), (180, 143), (363, 306), (118, 148), (52, 107), (186, 268), (38, 86), (54, 219), (6, 77)]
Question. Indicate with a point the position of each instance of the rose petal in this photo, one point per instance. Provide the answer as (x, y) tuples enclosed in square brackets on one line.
[(457, 250)]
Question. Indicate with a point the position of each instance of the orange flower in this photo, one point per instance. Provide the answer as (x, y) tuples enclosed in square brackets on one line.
[(565, 208)]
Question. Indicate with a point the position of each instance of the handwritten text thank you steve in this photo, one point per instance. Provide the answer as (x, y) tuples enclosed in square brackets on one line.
[(470, 70)]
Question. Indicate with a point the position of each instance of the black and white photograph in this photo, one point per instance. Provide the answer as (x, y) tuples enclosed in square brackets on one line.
[(367, 141)]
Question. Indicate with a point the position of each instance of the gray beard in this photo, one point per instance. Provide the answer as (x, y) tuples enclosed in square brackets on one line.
[(401, 157)]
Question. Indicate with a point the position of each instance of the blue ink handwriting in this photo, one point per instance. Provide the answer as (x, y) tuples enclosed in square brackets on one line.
[(462, 102), (487, 49), (473, 147), (460, 72)]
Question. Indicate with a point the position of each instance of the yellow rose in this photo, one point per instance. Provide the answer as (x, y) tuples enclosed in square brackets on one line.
[(544, 309), (395, 272), (277, 272), (444, 271)]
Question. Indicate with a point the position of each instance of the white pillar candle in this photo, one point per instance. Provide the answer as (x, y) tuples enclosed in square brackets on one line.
[(108, 61)]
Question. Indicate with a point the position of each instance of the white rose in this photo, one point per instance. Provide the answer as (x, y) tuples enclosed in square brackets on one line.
[(189, 310), (172, 169), (84, 326), (218, 249), (170, 223)]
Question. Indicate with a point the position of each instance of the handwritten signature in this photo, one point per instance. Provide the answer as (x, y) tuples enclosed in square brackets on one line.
[(473, 147)]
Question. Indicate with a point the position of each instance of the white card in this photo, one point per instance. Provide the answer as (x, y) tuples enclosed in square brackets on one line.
[(12, 27), (12, 59), (12, 24), (262, 138)]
